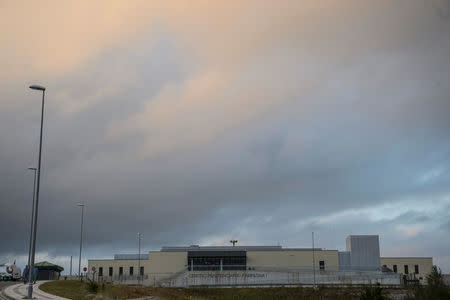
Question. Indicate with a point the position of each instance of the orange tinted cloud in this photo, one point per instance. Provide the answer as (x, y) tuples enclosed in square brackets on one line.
[(57, 36), (50, 37), (245, 57)]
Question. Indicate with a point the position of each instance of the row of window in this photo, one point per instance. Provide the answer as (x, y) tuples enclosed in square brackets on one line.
[(131, 269), (211, 263), (405, 268), (111, 271)]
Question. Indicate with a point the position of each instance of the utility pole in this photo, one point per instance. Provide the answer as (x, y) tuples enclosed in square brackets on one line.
[(314, 262), (139, 257), (233, 242), (81, 239), (71, 266)]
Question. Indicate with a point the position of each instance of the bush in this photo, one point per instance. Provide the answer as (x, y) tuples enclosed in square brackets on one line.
[(92, 287), (436, 288), (435, 278), (372, 293)]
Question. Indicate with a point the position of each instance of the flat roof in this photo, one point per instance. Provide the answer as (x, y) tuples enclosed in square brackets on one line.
[(231, 248), (216, 253), (45, 265), (197, 248), (403, 257), (130, 256)]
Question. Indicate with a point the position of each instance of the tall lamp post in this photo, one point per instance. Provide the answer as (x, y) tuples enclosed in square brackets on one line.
[(35, 215), (81, 238), (32, 215)]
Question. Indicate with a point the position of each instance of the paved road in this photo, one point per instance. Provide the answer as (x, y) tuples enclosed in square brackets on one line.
[(3, 285)]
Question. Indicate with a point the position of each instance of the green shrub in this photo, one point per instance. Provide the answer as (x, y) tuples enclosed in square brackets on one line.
[(92, 287), (372, 293), (435, 288)]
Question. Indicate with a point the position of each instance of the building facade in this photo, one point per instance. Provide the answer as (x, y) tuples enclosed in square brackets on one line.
[(412, 267), (259, 265), (48, 271)]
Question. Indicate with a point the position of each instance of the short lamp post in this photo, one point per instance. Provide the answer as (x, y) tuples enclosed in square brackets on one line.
[(139, 258), (81, 239)]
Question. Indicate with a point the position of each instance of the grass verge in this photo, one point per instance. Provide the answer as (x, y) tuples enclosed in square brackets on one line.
[(72, 289), (77, 290)]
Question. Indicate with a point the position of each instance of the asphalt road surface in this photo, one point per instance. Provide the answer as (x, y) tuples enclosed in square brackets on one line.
[(3, 285)]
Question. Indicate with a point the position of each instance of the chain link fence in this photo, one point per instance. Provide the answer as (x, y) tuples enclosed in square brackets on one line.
[(258, 276)]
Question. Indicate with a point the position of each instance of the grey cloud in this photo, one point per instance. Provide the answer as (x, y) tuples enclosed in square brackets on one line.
[(362, 135)]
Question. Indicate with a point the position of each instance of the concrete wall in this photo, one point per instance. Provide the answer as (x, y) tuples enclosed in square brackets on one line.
[(294, 259), (295, 263), (116, 264), (344, 260), (425, 264), (159, 265), (270, 278), (165, 264), (364, 252)]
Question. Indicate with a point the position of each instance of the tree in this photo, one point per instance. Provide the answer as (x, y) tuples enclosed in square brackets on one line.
[(435, 288)]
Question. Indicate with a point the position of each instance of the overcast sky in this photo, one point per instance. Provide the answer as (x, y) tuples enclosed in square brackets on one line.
[(195, 122)]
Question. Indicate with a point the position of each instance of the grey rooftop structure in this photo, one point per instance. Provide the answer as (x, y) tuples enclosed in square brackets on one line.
[(130, 256), (231, 248)]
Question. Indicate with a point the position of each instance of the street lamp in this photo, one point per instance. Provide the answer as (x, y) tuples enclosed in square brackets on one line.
[(81, 238), (35, 215), (32, 214)]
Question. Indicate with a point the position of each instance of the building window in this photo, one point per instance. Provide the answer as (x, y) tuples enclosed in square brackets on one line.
[(216, 260), (120, 271), (394, 268), (322, 265), (100, 271), (131, 270), (406, 269), (110, 271), (416, 269), (142, 271)]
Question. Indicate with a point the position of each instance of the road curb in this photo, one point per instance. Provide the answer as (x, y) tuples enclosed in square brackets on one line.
[(6, 296), (12, 292), (51, 295)]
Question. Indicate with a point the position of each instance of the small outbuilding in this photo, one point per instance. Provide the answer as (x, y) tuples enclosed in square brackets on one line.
[(48, 271)]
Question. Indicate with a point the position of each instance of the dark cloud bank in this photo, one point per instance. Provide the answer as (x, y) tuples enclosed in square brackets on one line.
[(365, 150)]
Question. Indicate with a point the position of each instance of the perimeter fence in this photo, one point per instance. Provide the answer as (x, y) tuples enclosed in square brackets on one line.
[(259, 276)]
